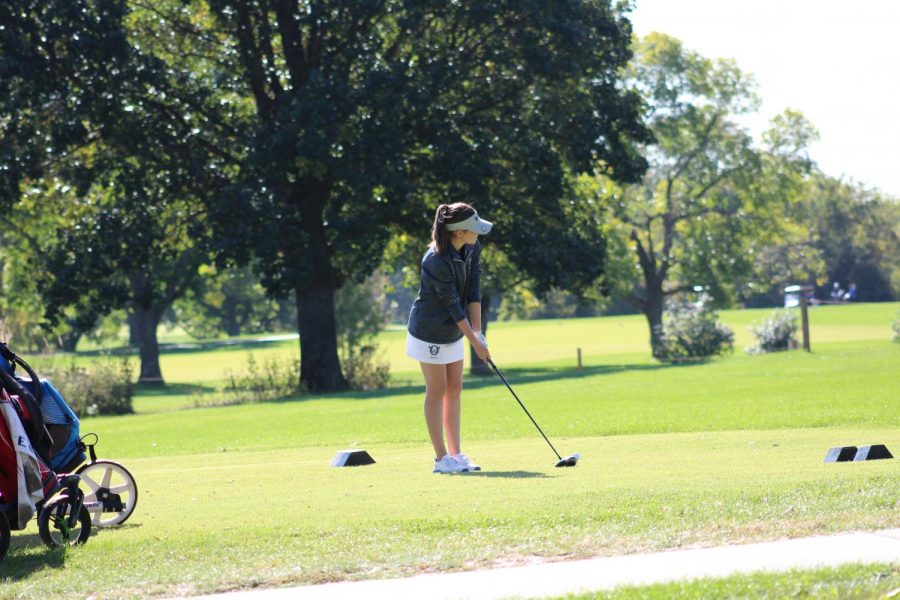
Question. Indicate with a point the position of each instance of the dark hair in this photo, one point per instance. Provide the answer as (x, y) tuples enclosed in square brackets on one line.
[(447, 213)]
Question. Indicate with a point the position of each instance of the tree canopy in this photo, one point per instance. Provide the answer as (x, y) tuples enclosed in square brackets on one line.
[(60, 66), (369, 115)]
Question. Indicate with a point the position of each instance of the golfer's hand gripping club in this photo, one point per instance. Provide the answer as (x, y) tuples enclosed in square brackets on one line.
[(481, 347)]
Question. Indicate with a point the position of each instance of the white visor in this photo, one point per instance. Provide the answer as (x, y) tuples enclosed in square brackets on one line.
[(473, 223)]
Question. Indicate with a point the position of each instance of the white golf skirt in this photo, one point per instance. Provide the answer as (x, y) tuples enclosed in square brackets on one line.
[(436, 354)]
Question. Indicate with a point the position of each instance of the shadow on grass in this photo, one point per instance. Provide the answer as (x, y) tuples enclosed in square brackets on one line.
[(515, 376), (506, 474), (95, 531), (18, 565), (201, 346), (172, 389)]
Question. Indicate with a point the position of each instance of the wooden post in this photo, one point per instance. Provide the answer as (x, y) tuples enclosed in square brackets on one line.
[(804, 319), (579, 359), (803, 302)]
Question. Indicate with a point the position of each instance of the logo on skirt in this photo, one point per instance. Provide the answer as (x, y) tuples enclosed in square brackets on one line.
[(434, 350)]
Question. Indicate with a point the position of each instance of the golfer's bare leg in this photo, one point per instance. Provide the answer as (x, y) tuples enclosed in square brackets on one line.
[(453, 405), (435, 390)]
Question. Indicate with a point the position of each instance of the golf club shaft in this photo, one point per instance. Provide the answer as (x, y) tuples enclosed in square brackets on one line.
[(509, 387)]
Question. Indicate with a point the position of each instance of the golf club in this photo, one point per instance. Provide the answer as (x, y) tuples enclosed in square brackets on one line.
[(569, 461)]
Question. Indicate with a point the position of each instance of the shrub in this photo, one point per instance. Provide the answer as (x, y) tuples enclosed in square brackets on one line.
[(272, 379), (775, 333), (103, 388), (366, 371), (361, 315), (693, 333)]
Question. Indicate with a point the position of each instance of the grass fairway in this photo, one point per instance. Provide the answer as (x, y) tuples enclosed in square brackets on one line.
[(720, 452)]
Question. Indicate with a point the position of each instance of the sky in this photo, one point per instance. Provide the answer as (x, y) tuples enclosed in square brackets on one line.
[(837, 62)]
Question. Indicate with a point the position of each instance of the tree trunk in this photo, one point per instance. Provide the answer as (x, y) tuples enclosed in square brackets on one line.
[(478, 366), (654, 313), (67, 342), (654, 279), (320, 369), (230, 316), (144, 323), (132, 329)]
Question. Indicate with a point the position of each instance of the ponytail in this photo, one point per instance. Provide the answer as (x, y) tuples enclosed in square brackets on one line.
[(440, 237)]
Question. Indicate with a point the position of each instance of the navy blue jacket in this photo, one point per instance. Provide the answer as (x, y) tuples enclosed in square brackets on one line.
[(450, 282)]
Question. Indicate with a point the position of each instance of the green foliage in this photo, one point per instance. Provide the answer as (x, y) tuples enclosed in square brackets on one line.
[(27, 233), (366, 370), (562, 304), (711, 197), (358, 142), (108, 331), (19, 322), (121, 189), (693, 333), (60, 61), (775, 333), (130, 248), (309, 132), (361, 315), (777, 249), (855, 231), (518, 303), (103, 388), (394, 107), (21, 326), (270, 379), (229, 301)]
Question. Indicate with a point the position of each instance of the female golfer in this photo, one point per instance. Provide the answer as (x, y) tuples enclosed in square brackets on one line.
[(449, 288)]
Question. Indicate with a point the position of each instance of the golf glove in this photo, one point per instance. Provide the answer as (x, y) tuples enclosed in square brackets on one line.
[(481, 339)]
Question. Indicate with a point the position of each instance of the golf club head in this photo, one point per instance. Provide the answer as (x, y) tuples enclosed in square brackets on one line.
[(569, 461)]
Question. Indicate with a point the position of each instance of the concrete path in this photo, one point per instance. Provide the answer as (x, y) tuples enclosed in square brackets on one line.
[(598, 574)]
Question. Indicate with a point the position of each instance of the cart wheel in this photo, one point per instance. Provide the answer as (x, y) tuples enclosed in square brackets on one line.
[(110, 493), (4, 535), (55, 523)]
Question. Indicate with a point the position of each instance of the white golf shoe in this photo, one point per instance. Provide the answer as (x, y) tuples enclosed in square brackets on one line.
[(447, 464), (466, 462)]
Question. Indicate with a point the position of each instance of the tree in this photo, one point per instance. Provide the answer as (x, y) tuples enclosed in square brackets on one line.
[(59, 62), (130, 247), (368, 114), (19, 323), (710, 193), (132, 234), (855, 231), (28, 229), (136, 140)]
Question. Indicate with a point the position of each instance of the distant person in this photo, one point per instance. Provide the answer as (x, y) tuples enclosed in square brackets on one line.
[(450, 286), (836, 292), (850, 296)]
